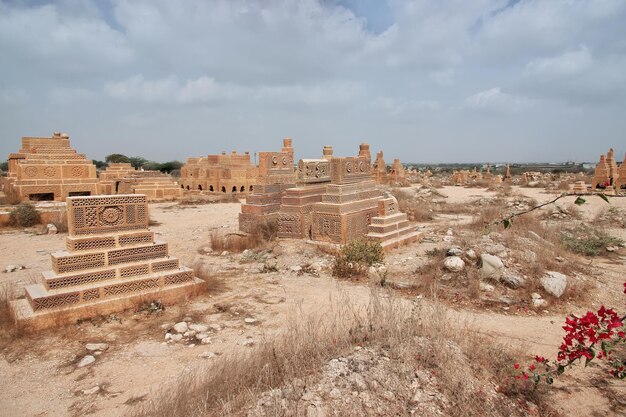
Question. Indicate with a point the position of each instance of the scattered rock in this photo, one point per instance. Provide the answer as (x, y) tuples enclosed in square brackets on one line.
[(92, 347), (512, 280), (497, 249), (199, 328), (250, 320), (454, 264), (539, 302), (377, 272), (503, 299), (87, 360), (206, 341), (483, 286), (225, 253), (471, 254), (176, 337), (181, 327), (91, 391), (554, 283), (529, 256), (189, 333), (52, 229), (612, 248), (455, 251), (167, 326), (492, 266), (296, 268), (248, 342), (207, 355), (201, 336), (11, 268)]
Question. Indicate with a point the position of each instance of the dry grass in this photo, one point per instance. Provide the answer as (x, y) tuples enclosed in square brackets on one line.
[(213, 284), (417, 210), (261, 234), (8, 293), (201, 199), (61, 222), (416, 335)]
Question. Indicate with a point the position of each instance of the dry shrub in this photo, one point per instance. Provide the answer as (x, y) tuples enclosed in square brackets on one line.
[(24, 215), (587, 240), (261, 233), (564, 186), (8, 293), (417, 210), (429, 274), (454, 208), (212, 282), (200, 199), (486, 216), (355, 257), (61, 222), (416, 336)]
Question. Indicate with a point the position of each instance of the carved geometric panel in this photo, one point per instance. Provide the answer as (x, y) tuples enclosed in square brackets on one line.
[(97, 214)]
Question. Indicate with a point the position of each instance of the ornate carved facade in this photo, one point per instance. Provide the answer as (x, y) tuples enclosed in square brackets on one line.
[(223, 173), (122, 178), (336, 200), (49, 169), (111, 262), (276, 174)]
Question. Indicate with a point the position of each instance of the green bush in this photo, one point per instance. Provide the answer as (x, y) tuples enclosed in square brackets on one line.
[(587, 240), (24, 215), (356, 256)]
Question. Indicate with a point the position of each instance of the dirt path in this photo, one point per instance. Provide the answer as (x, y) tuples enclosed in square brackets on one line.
[(40, 378)]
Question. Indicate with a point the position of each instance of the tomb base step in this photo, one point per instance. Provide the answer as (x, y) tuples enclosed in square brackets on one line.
[(398, 239), (29, 320), (53, 281), (42, 299)]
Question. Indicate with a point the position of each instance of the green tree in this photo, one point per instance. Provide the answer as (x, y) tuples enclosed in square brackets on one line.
[(170, 166), (100, 164), (137, 161), (4, 166), (116, 158)]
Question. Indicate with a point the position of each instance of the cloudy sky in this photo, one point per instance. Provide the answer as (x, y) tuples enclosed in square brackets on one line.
[(424, 80)]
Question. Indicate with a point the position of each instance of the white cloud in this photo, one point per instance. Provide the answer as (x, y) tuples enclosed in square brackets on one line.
[(249, 68), (206, 90), (61, 95), (567, 64), (496, 100), (14, 96), (402, 107)]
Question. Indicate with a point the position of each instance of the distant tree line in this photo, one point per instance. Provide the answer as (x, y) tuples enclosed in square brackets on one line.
[(139, 162)]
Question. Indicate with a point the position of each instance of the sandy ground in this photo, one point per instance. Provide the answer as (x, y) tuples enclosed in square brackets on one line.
[(39, 376)]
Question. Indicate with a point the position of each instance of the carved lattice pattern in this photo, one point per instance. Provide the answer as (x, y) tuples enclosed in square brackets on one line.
[(137, 254), (73, 280), (56, 301), (132, 286)]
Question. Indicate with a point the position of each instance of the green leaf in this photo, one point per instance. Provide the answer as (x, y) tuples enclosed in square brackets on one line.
[(549, 380), (593, 355), (560, 369), (604, 197), (507, 223), (580, 201), (606, 346)]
